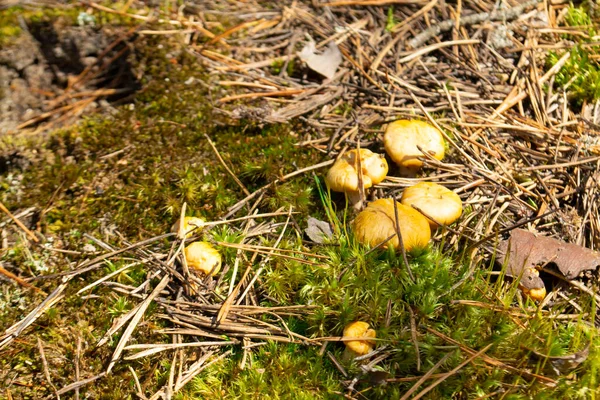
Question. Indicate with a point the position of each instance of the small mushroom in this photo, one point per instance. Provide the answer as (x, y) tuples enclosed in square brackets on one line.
[(402, 141), (537, 294), (191, 225), (532, 285), (436, 201), (377, 222), (343, 175), (359, 329), (203, 258)]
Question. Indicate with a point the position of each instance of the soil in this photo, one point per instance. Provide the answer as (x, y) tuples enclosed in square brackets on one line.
[(38, 65)]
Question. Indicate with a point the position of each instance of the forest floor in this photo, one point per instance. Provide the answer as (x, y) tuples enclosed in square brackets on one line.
[(118, 118)]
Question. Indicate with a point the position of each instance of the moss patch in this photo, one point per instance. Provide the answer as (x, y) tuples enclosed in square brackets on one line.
[(580, 75), (129, 172)]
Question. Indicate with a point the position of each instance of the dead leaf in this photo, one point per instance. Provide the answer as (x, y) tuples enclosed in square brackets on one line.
[(326, 63), (318, 231), (562, 365), (377, 378), (527, 251)]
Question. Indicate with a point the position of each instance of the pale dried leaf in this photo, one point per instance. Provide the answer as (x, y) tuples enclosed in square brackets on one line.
[(326, 63), (318, 231)]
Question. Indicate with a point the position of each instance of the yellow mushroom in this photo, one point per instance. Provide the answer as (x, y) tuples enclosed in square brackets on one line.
[(436, 201), (359, 329), (402, 141), (191, 226), (377, 222), (528, 288), (343, 175), (203, 258), (537, 294)]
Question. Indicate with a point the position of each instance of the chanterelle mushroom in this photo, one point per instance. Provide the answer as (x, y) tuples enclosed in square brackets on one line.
[(537, 294), (436, 201), (343, 175), (359, 329), (402, 141), (377, 222), (203, 258), (191, 225)]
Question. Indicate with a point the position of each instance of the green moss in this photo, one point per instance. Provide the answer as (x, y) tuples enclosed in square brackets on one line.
[(580, 17), (343, 109), (9, 24), (391, 20), (276, 66), (8, 32), (12, 18), (130, 172), (353, 285), (580, 75), (165, 161), (273, 371)]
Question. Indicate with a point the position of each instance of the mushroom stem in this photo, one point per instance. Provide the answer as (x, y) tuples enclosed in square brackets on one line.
[(355, 200), (408, 172)]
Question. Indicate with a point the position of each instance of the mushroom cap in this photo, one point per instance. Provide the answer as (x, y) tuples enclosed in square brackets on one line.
[(537, 294), (438, 202), (343, 175), (203, 257), (359, 329), (532, 285), (402, 138), (191, 225), (377, 222)]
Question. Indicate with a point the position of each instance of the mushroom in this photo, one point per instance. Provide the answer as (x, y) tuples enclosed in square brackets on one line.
[(202, 257), (191, 225), (377, 223), (343, 175), (532, 285), (435, 201), (537, 294), (359, 329), (404, 140)]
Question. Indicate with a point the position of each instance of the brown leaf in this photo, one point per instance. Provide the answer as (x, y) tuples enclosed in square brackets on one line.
[(528, 251), (562, 365)]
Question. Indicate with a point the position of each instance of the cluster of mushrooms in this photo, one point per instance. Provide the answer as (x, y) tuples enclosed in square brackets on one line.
[(422, 208)]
